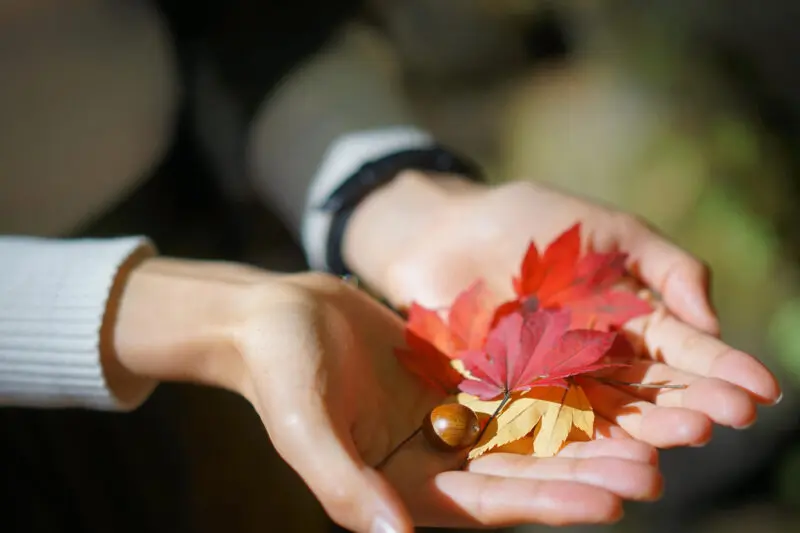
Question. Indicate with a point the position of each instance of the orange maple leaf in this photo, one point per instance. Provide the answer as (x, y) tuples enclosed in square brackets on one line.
[(427, 362), (433, 342), (468, 321), (540, 421)]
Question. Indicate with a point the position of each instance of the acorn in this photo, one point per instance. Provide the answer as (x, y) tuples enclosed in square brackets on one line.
[(451, 427)]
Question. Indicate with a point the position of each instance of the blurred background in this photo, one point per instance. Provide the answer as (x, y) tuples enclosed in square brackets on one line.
[(686, 113)]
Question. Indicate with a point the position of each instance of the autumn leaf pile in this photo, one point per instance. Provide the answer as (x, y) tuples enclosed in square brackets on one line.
[(516, 363)]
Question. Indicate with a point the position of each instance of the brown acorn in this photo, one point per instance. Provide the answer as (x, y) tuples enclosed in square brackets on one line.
[(451, 427)]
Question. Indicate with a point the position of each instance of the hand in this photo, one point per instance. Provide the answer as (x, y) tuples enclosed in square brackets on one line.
[(425, 240), (315, 358)]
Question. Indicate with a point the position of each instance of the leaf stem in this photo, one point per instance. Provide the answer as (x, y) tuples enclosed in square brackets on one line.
[(396, 449), (611, 381), (506, 397), (503, 402)]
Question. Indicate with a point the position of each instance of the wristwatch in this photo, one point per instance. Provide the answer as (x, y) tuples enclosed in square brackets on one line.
[(343, 201), (354, 166)]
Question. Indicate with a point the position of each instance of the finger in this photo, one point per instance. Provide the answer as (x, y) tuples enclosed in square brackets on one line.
[(631, 480), (468, 500), (679, 345), (629, 449), (353, 494), (664, 427), (604, 429), (681, 279), (723, 402)]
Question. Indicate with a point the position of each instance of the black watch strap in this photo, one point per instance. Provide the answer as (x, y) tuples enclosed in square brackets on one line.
[(344, 200)]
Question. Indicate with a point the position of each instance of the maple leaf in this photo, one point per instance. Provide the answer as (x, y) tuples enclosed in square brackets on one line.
[(533, 349), (513, 423), (561, 278), (426, 324), (523, 446), (563, 411), (432, 342), (536, 422), (468, 321), (427, 362)]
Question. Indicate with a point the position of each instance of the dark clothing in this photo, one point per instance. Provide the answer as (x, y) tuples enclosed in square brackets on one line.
[(254, 43)]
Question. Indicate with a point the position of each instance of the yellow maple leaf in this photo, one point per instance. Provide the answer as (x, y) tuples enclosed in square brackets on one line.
[(536, 422), (516, 421), (523, 446), (563, 410)]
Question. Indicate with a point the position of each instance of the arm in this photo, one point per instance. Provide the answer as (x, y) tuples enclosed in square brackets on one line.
[(97, 323), (344, 108), (286, 344), (339, 110)]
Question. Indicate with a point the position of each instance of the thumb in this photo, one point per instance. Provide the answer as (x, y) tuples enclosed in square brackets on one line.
[(353, 494)]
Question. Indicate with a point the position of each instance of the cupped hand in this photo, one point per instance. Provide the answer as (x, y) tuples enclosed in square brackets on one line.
[(320, 370), (469, 231)]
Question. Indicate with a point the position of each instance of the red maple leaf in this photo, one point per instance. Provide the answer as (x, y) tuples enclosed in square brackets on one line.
[(562, 279), (427, 362), (530, 349), (468, 321), (433, 341)]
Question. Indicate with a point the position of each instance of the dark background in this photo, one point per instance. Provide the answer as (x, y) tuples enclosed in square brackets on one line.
[(193, 459)]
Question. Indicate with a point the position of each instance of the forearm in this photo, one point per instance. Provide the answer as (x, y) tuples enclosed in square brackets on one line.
[(389, 220), (344, 108), (340, 109), (177, 320), (97, 323)]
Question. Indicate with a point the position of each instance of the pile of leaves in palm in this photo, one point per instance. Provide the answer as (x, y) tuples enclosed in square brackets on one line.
[(519, 364)]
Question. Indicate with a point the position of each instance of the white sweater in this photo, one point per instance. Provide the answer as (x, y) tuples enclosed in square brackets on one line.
[(53, 297)]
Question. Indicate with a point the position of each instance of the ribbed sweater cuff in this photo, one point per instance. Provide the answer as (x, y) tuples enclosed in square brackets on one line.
[(345, 156), (53, 297)]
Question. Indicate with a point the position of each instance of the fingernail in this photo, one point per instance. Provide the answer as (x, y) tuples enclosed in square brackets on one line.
[(699, 306), (701, 444), (660, 490), (655, 458), (382, 525), (704, 314), (746, 426), (778, 399)]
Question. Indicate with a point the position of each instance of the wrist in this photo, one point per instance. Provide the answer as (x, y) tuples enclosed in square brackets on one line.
[(175, 320), (386, 224)]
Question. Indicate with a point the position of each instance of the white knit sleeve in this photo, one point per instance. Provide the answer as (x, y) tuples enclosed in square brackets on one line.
[(344, 157), (53, 297)]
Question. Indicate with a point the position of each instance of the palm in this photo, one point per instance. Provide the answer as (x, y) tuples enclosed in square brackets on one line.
[(385, 404), (485, 237), (342, 402)]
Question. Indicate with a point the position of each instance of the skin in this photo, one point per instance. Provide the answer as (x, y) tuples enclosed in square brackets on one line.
[(314, 356)]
